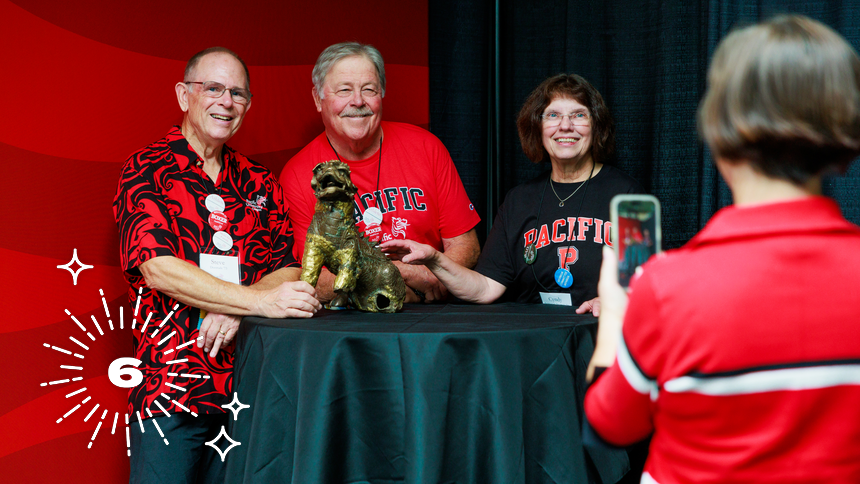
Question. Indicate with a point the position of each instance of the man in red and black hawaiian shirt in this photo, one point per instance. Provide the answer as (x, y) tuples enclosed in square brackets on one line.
[(204, 240)]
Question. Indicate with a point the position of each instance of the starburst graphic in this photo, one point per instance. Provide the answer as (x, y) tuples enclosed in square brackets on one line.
[(119, 367), (75, 272), (235, 406), (223, 453)]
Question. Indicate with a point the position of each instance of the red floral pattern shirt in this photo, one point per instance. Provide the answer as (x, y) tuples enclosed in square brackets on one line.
[(160, 211)]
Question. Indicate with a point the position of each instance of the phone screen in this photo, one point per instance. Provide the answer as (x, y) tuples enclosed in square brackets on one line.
[(638, 233)]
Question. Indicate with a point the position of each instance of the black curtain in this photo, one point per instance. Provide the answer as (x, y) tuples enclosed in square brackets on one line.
[(649, 60)]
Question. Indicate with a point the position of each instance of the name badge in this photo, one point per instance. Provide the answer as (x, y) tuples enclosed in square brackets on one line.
[(224, 267), (557, 298)]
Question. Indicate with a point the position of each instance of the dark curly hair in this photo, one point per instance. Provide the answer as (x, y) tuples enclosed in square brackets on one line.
[(571, 86)]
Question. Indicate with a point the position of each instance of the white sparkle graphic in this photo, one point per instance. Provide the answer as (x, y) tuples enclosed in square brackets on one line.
[(235, 406), (75, 272), (223, 453)]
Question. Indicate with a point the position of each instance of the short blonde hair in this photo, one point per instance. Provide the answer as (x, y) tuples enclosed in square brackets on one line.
[(784, 95)]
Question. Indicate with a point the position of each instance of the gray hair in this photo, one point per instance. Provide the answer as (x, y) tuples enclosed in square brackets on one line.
[(337, 52)]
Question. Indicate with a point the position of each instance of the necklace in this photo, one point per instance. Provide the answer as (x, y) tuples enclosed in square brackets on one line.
[(560, 201), (563, 277)]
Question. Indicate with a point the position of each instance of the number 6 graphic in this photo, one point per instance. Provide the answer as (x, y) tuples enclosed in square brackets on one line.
[(120, 367)]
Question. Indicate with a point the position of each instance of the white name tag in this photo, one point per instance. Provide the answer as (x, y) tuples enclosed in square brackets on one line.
[(557, 298), (224, 267)]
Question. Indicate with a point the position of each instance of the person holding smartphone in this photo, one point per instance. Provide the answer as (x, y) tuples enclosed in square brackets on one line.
[(546, 240), (740, 352)]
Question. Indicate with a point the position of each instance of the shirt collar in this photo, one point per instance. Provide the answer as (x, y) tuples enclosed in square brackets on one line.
[(811, 214), (186, 156)]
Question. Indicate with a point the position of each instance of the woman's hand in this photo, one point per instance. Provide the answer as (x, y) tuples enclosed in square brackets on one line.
[(592, 306), (409, 252)]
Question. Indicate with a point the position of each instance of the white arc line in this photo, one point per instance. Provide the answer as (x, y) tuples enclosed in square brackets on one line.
[(115, 417), (76, 392), (183, 345), (56, 382), (171, 385), (90, 446), (166, 338), (137, 305), (146, 323), (46, 345), (76, 321), (140, 421), (104, 303), (175, 307), (91, 413), (160, 432), (102, 333), (79, 343), (162, 408), (67, 367)]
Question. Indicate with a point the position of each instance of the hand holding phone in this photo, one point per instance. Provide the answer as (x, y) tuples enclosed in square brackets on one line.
[(636, 234)]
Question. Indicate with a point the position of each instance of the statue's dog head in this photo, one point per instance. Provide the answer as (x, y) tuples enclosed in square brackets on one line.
[(331, 182)]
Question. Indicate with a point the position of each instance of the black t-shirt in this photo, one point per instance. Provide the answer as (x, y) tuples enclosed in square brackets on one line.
[(579, 249)]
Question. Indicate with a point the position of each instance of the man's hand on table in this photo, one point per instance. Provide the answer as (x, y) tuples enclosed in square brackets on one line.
[(296, 299)]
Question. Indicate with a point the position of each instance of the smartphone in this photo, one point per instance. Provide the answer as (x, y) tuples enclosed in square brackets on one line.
[(636, 234)]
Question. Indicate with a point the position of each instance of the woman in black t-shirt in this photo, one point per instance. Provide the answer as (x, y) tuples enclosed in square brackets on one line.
[(545, 244)]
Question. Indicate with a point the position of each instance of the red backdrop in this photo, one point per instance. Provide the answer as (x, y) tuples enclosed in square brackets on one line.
[(85, 84)]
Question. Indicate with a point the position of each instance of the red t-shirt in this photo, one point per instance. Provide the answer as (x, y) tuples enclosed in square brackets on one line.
[(160, 211), (419, 191)]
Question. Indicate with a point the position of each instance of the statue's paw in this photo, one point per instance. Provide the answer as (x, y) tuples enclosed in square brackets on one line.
[(340, 301)]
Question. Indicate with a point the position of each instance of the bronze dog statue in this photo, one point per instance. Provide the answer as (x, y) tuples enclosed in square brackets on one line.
[(364, 275)]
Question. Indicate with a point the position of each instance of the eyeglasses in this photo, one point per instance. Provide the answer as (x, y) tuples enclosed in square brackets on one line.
[(553, 119), (216, 90)]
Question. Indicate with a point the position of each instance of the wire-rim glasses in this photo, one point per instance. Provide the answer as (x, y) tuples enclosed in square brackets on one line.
[(216, 89), (552, 119)]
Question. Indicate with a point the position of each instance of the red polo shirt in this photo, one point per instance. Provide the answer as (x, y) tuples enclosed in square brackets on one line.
[(741, 352)]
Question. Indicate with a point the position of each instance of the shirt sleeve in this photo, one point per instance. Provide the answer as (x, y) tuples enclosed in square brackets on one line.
[(457, 214), (619, 405), (146, 228), (495, 260)]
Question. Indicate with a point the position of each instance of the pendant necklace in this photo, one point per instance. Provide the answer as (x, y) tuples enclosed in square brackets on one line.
[(560, 201), (563, 277)]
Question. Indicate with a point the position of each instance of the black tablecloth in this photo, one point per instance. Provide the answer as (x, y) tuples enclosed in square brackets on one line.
[(434, 394)]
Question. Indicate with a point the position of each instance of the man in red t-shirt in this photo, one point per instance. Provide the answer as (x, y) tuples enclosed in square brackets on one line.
[(202, 230), (407, 184)]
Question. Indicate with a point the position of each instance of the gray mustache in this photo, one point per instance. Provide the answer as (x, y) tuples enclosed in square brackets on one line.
[(362, 111)]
